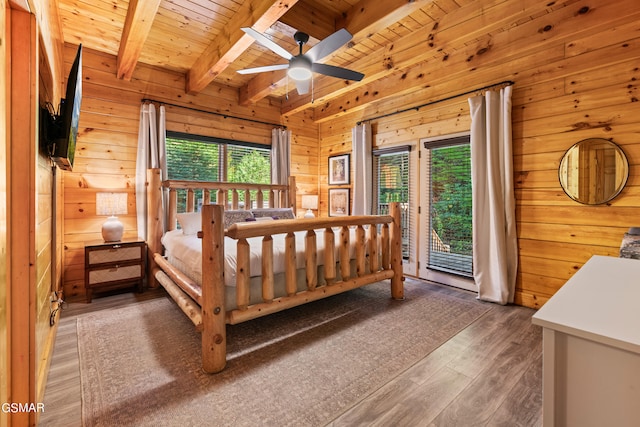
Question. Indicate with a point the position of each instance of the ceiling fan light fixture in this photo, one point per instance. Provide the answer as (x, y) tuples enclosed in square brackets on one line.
[(299, 73), (299, 68)]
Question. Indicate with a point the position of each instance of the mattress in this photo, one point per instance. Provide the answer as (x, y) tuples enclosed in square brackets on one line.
[(185, 252)]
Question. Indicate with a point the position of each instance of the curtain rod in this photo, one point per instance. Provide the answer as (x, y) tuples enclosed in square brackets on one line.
[(418, 107), (214, 113)]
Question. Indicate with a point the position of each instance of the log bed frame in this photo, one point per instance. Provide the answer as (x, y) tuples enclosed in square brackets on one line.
[(205, 305)]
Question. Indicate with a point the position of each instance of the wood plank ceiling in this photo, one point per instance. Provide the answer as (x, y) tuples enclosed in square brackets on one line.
[(203, 39)]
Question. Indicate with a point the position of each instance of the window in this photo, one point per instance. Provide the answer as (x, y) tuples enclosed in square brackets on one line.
[(392, 184), (199, 158), (193, 160), (450, 219)]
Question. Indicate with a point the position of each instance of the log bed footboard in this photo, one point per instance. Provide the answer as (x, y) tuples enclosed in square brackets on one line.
[(377, 257)]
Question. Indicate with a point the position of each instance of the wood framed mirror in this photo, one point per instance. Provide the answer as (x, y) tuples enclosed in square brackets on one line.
[(593, 171)]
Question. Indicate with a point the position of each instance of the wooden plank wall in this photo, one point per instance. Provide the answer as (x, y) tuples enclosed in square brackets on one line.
[(29, 218), (576, 76), (4, 243), (25, 210), (44, 333), (108, 138), (21, 214)]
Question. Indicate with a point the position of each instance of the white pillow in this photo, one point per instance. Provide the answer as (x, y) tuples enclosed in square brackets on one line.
[(264, 218), (190, 222)]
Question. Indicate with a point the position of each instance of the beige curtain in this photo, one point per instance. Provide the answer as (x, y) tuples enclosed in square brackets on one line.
[(362, 195), (152, 136), (280, 156), (495, 246)]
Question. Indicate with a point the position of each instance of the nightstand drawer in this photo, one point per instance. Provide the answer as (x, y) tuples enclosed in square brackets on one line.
[(114, 265), (115, 273), (115, 254)]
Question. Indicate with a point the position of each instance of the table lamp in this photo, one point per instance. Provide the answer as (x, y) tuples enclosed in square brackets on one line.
[(309, 202), (111, 204)]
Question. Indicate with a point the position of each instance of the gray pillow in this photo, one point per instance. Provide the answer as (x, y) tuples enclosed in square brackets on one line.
[(279, 213), (233, 216)]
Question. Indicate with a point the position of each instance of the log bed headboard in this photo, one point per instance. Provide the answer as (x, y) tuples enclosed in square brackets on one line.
[(263, 195)]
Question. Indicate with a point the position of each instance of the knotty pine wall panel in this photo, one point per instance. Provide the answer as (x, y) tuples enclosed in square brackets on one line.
[(108, 141), (44, 260), (576, 76), (5, 106), (304, 155)]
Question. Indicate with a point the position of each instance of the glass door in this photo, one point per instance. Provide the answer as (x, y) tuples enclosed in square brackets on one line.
[(446, 238)]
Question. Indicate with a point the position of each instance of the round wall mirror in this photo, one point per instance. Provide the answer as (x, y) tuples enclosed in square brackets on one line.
[(593, 171)]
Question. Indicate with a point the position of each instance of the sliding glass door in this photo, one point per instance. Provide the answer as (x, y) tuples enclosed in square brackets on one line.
[(446, 236), (394, 181)]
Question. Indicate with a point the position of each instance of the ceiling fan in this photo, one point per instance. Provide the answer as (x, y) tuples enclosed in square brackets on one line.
[(302, 65)]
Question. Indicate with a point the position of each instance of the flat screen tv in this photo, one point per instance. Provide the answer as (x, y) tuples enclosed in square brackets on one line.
[(62, 130)]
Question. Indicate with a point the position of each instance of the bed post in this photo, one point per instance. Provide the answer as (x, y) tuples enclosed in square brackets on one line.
[(154, 223), (292, 194), (214, 339), (397, 288)]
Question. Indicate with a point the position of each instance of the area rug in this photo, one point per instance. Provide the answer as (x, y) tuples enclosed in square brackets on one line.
[(141, 364)]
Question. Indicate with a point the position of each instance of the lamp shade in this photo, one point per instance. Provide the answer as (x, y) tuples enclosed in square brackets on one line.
[(309, 202), (111, 204)]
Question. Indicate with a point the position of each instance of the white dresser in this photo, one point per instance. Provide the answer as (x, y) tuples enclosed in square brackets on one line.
[(591, 342)]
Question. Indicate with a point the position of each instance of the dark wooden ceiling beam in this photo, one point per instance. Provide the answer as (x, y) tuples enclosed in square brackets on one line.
[(140, 16), (363, 19), (228, 46)]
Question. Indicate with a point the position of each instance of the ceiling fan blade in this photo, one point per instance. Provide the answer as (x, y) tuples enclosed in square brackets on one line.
[(329, 45), (302, 86), (266, 42), (264, 69), (338, 72)]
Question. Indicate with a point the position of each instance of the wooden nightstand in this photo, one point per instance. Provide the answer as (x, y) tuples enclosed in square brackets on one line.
[(114, 265)]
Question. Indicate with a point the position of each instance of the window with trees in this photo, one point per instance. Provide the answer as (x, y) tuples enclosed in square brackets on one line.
[(392, 184), (199, 158), (450, 243)]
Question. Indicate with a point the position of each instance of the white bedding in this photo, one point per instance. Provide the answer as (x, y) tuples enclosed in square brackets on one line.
[(184, 252)]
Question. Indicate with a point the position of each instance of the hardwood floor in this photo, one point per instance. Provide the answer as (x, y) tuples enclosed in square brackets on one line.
[(489, 374)]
